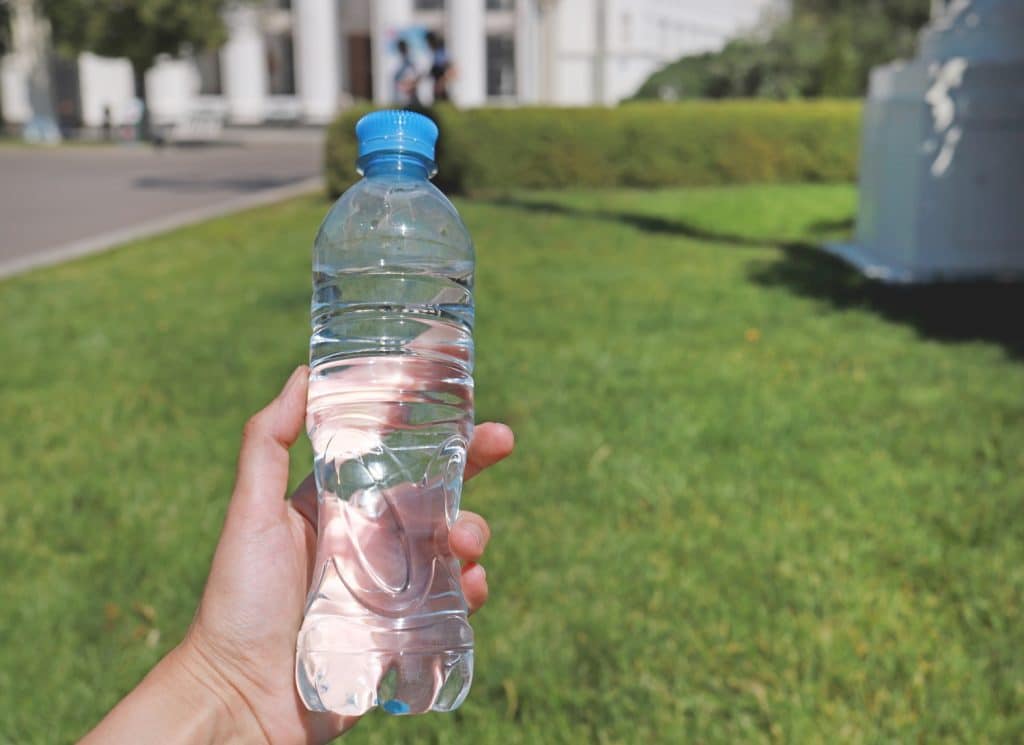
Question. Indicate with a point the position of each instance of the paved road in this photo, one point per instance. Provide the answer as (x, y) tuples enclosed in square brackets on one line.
[(65, 201)]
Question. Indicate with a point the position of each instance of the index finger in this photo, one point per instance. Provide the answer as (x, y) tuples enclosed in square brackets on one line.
[(491, 443)]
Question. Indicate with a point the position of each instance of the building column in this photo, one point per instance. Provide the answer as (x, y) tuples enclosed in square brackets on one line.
[(548, 57), (527, 51), (466, 39), (601, 95), (244, 64), (389, 19), (317, 53)]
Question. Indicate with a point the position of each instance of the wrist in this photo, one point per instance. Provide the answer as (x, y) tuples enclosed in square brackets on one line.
[(221, 713), (179, 701)]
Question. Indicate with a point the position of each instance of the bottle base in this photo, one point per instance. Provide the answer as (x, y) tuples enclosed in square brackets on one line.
[(352, 683)]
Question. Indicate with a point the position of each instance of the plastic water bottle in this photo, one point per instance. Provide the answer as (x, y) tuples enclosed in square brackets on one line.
[(390, 414)]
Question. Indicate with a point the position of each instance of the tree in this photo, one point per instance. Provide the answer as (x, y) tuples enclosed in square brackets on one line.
[(136, 29), (5, 27), (823, 48)]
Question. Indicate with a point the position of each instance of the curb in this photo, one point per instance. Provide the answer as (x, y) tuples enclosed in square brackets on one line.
[(106, 241)]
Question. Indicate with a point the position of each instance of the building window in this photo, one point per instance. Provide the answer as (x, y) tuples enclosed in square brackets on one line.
[(501, 66), (280, 64), (501, 4), (429, 5), (360, 67)]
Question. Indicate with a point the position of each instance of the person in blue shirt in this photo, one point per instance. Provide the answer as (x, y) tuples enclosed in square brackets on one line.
[(442, 71), (407, 79)]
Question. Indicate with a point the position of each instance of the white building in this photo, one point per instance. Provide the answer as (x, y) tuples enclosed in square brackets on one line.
[(304, 60)]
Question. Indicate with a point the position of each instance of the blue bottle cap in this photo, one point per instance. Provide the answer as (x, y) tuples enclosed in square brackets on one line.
[(396, 132)]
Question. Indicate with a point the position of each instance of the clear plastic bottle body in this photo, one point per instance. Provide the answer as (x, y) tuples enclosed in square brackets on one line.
[(390, 414)]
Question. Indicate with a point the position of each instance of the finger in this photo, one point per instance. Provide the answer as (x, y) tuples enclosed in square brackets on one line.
[(491, 443), (469, 536), (474, 586), (304, 499), (325, 726), (263, 460)]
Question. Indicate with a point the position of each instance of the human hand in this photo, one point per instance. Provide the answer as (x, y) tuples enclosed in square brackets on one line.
[(232, 678)]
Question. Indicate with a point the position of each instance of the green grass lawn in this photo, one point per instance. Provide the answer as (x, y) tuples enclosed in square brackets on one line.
[(754, 498)]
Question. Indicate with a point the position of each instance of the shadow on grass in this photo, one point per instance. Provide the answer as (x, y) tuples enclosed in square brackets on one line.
[(828, 227), (648, 223), (947, 312)]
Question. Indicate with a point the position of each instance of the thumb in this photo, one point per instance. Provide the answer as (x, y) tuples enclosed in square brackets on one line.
[(263, 461)]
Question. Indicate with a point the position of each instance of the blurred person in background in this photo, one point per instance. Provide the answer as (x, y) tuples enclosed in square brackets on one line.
[(442, 71), (407, 78)]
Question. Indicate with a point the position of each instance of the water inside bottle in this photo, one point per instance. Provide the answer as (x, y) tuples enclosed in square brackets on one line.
[(390, 417)]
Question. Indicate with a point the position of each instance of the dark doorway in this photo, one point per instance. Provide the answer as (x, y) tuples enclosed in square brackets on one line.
[(360, 66)]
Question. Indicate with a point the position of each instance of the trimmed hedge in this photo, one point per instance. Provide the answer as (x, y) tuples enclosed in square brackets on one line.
[(641, 145)]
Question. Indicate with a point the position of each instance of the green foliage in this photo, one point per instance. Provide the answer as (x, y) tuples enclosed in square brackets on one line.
[(647, 145), (138, 30), (751, 502), (824, 48), (5, 27)]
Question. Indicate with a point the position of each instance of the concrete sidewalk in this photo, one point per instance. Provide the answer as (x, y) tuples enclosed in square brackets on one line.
[(58, 203)]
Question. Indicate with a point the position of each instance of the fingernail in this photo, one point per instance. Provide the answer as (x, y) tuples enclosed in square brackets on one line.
[(478, 535)]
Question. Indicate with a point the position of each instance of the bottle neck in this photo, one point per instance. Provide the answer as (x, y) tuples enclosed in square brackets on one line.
[(404, 165)]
